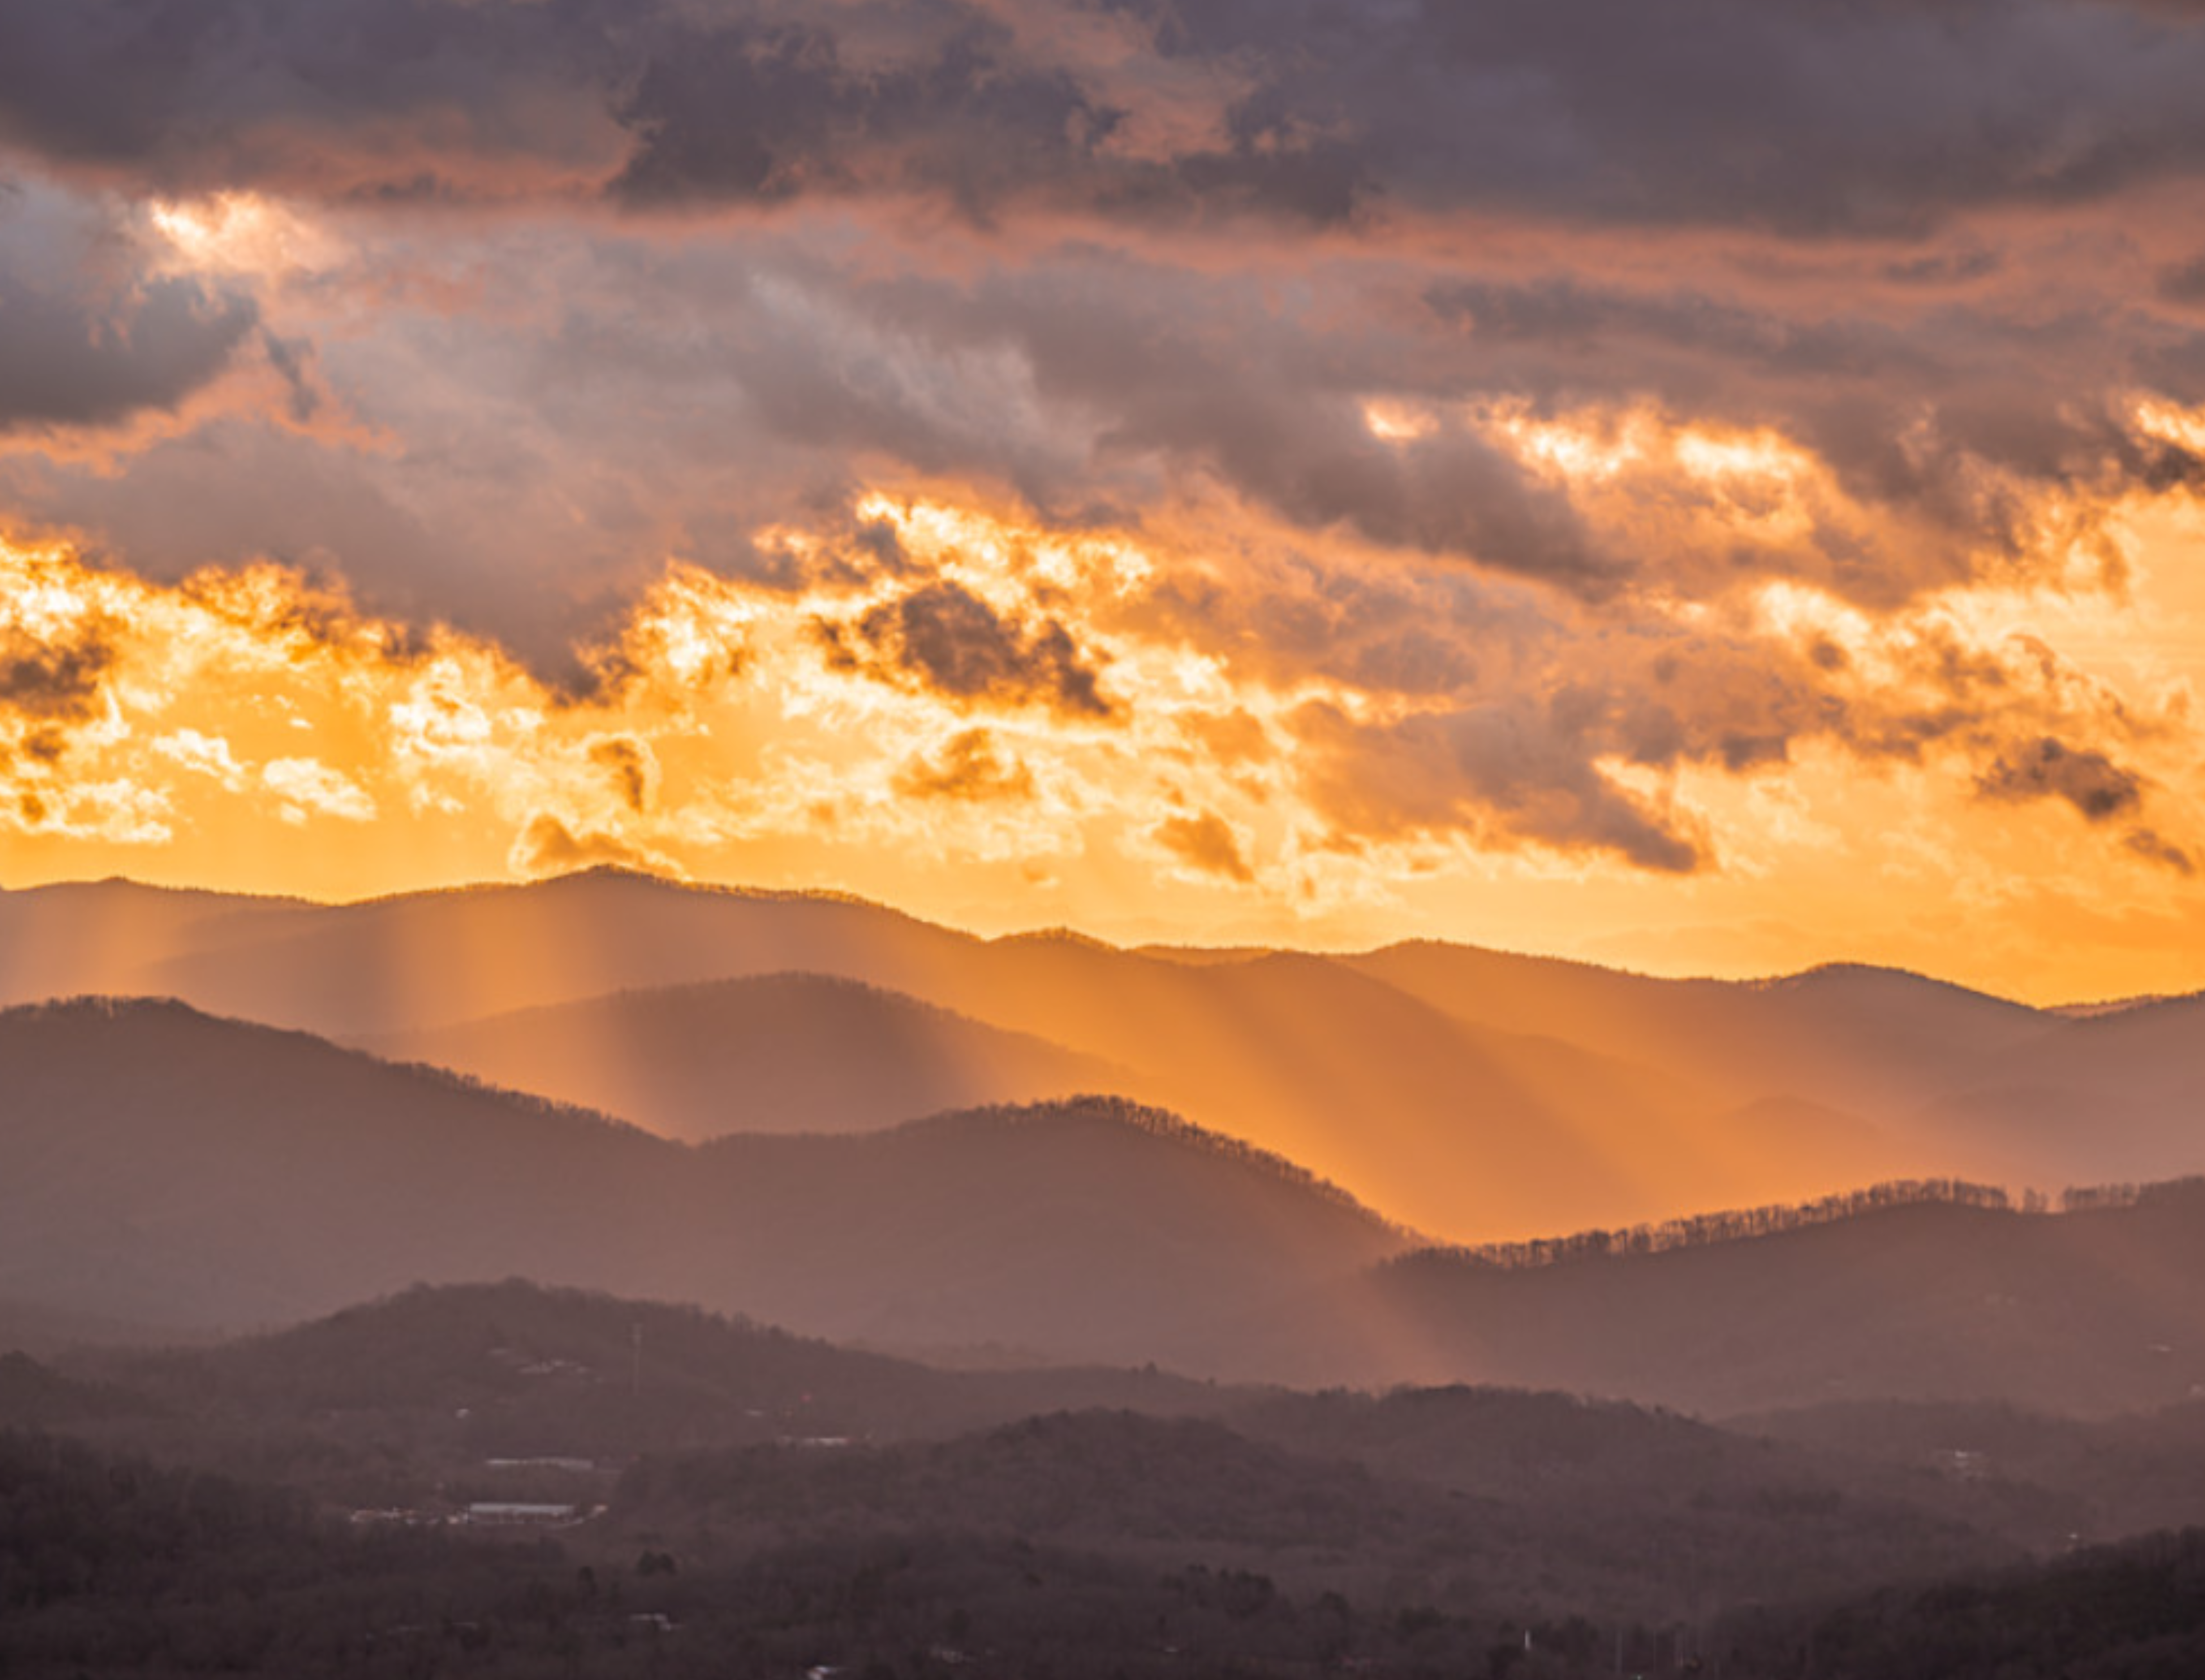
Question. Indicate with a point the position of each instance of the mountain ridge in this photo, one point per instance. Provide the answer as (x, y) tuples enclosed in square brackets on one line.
[(160, 1164), (1470, 1094)]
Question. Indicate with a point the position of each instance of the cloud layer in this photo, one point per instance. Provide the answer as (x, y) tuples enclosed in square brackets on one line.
[(1262, 459)]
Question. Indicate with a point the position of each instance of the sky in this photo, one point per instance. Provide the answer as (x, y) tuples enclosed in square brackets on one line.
[(1709, 488)]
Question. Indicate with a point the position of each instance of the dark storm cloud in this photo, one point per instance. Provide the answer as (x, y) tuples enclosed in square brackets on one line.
[(59, 366), (2050, 768), (946, 638), (88, 336), (1811, 116), (399, 98), (774, 113), (1806, 115), (54, 681), (1940, 390), (413, 100)]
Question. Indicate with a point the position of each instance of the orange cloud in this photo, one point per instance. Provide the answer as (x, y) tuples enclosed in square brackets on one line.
[(1400, 748), (1208, 843)]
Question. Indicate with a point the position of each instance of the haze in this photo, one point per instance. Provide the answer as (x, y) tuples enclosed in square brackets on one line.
[(916, 839)]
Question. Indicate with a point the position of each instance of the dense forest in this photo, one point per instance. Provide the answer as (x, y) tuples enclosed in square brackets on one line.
[(2133, 1611), (116, 1567), (718, 1498), (1737, 1225)]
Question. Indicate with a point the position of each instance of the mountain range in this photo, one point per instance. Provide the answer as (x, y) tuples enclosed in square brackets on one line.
[(1471, 1095), (166, 1167)]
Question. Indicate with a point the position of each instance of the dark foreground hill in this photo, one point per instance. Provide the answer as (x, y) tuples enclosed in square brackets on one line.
[(157, 1165), (36, 1396), (2119, 1475), (1162, 1489), (502, 1389), (116, 1567), (2132, 1612), (726, 1498), (384, 1401), (1095, 1545), (510, 1353), (1465, 1498)]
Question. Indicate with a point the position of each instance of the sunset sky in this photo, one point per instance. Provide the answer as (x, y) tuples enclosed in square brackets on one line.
[(1709, 488)]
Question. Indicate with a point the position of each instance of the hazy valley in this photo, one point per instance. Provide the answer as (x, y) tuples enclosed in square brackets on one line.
[(900, 1300)]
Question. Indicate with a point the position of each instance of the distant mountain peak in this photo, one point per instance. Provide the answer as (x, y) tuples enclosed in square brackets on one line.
[(1057, 935), (1859, 974), (598, 875)]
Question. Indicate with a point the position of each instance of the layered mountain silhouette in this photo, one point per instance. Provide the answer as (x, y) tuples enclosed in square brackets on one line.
[(1471, 1093), (162, 1165), (2094, 1311), (530, 1369), (1855, 1037), (770, 1052), (2120, 1095), (1441, 1124)]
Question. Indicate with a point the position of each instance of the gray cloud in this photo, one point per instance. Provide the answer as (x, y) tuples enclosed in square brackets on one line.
[(1511, 771), (51, 680), (384, 97), (2050, 768), (669, 394), (2184, 282), (87, 336), (774, 113), (60, 366), (623, 399), (944, 638), (1892, 116)]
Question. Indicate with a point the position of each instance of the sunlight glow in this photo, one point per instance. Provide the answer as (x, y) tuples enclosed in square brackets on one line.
[(1071, 739), (2170, 423), (241, 233), (1394, 422), (1578, 448)]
